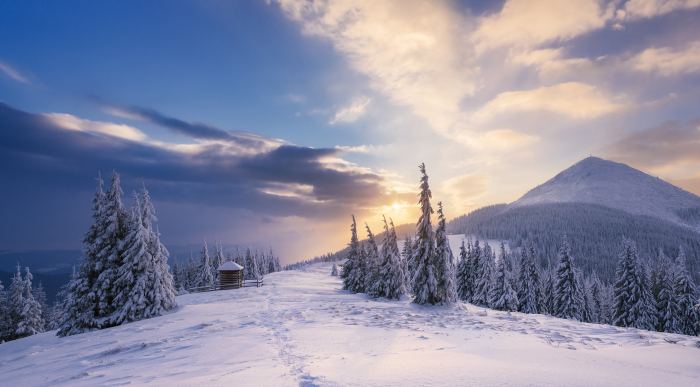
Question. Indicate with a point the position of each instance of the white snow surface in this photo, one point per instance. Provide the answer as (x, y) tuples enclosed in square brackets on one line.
[(230, 266), (616, 185), (301, 329)]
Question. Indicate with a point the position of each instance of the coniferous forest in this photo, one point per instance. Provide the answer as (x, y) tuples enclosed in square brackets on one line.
[(653, 294)]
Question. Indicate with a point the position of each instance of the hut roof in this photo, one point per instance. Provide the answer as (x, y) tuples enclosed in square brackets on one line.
[(230, 266)]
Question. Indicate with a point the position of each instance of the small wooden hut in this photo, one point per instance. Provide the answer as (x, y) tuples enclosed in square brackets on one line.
[(230, 275)]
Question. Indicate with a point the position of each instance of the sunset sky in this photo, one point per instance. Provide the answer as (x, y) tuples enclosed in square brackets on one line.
[(259, 121)]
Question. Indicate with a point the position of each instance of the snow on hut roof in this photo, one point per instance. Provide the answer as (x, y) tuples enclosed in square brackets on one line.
[(230, 266)]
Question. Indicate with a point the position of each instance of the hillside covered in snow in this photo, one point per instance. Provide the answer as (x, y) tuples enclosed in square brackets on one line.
[(301, 329), (615, 185)]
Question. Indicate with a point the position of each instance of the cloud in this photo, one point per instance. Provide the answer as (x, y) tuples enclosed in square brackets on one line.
[(672, 143), (644, 9), (463, 189), (572, 99), (412, 51), (295, 98), (288, 180), (237, 142), (530, 23), (668, 61), (351, 113), (68, 121), (12, 73)]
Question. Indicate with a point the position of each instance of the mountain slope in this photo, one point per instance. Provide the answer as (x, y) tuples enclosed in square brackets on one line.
[(301, 329), (597, 181)]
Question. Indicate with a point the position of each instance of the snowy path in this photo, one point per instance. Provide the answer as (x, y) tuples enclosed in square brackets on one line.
[(301, 330)]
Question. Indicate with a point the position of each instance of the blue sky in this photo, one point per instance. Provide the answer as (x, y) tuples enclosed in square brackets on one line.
[(257, 121)]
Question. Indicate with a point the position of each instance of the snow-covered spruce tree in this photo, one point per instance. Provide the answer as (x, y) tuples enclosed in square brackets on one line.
[(462, 276), (581, 299), (597, 305), (371, 277), (474, 259), (271, 266), (445, 261), (484, 271), (218, 260), (425, 277), (503, 297), (5, 316), (634, 304), (565, 286), (527, 293), (250, 271), (192, 272), (548, 282), (116, 224), (352, 274), (40, 297), (80, 304), (27, 309), (131, 285), (334, 270), (407, 255), (392, 282), (645, 310), (204, 277), (686, 294), (536, 282), (162, 292), (666, 301)]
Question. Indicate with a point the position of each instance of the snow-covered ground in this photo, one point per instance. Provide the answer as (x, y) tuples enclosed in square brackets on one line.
[(300, 329)]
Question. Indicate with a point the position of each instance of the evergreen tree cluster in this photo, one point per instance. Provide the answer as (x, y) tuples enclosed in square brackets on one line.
[(23, 309), (124, 274), (203, 271), (424, 268)]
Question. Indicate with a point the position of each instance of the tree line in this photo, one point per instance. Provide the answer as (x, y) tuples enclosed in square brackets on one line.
[(203, 271), (654, 295), (23, 308)]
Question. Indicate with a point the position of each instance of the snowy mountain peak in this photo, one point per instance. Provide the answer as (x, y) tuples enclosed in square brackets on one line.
[(598, 181)]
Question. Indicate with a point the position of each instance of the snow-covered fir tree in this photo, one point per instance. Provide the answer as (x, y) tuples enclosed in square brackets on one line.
[(250, 270), (80, 303), (192, 272), (407, 254), (352, 273), (634, 305), (444, 261), (686, 294), (116, 226), (131, 285), (162, 292), (27, 311), (581, 298), (392, 274), (372, 280), (598, 305), (334, 270), (548, 282), (503, 297), (463, 273), (425, 279), (527, 285), (565, 285), (663, 280), (204, 276), (217, 260), (431, 282), (40, 297), (5, 316), (483, 276)]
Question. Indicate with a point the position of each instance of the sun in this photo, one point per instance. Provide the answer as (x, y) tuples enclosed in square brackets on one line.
[(396, 206)]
